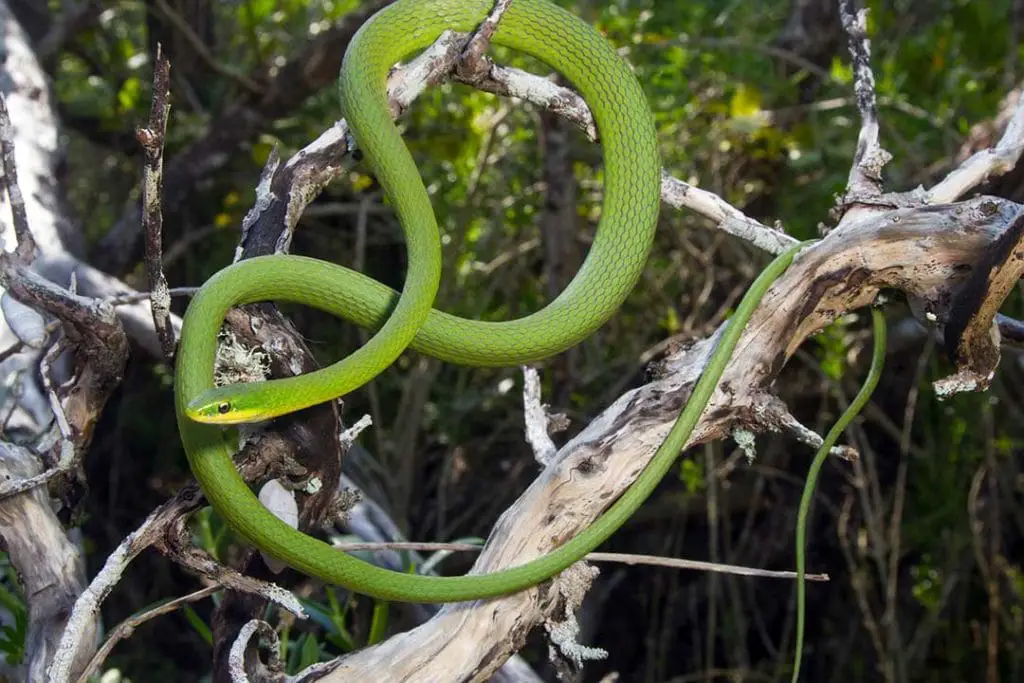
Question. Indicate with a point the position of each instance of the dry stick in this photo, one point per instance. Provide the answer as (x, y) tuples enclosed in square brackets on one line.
[(135, 297), (26, 249), (617, 558), (984, 163), (152, 139), (865, 179), (536, 418), (127, 627)]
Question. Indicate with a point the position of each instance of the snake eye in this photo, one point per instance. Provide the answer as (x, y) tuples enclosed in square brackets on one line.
[(223, 408)]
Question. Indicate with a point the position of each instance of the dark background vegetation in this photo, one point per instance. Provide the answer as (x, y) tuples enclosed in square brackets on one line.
[(754, 102)]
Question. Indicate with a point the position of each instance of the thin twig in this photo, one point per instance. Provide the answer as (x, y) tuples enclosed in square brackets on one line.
[(135, 297), (728, 218), (618, 558), (152, 140), (774, 411), (865, 179), (26, 249)]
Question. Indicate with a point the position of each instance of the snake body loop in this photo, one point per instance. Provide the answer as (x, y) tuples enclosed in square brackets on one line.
[(614, 263)]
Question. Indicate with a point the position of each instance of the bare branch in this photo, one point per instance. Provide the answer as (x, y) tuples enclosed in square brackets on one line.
[(728, 218), (163, 528), (617, 558), (775, 415), (98, 334), (985, 163), (132, 309), (152, 139), (536, 418), (237, 658), (472, 63), (26, 249), (537, 90), (135, 297), (865, 178)]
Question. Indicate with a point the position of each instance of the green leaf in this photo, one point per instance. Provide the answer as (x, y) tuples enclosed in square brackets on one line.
[(379, 622), (197, 623), (310, 653)]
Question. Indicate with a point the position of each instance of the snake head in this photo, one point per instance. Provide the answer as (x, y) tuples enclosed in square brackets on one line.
[(221, 407)]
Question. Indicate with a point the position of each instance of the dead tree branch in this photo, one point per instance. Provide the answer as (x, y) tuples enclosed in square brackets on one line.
[(152, 140), (26, 249), (865, 178)]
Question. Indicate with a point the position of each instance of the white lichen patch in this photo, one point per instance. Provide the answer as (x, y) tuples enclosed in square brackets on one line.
[(236, 363), (744, 438)]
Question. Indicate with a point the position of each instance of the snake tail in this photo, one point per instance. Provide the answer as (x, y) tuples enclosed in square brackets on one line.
[(851, 412)]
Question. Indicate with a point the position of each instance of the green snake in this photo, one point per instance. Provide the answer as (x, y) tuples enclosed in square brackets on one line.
[(407, 319)]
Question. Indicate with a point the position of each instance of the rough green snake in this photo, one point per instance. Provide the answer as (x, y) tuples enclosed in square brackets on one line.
[(407, 319)]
